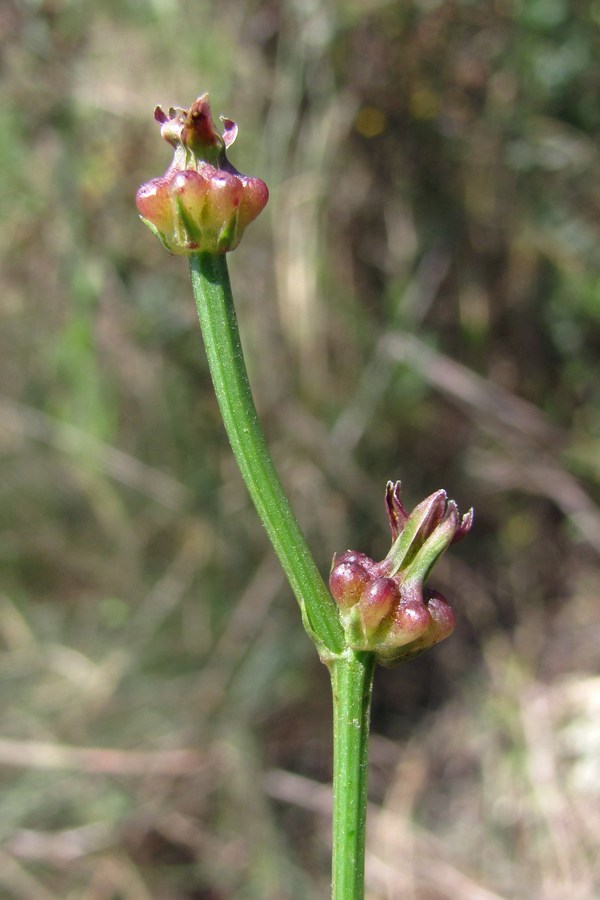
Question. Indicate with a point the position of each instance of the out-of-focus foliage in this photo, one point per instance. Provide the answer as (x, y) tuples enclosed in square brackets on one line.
[(421, 300)]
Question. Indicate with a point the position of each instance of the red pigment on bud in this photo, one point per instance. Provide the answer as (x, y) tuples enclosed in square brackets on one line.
[(254, 199), (190, 186), (384, 606), (154, 203), (225, 196), (347, 582), (377, 601), (355, 556), (202, 203), (443, 620), (411, 620)]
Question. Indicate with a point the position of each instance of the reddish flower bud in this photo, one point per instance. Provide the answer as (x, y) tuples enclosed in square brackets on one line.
[(347, 582), (154, 204), (443, 621), (202, 203), (377, 601), (411, 621), (355, 556), (254, 199), (384, 606)]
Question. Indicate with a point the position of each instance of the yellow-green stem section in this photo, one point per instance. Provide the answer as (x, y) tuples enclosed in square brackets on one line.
[(352, 683), (214, 300)]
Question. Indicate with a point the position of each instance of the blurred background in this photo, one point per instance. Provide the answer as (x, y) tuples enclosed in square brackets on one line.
[(420, 301)]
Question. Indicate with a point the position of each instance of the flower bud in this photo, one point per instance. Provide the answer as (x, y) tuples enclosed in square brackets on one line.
[(377, 601), (347, 581), (443, 621), (201, 203), (411, 621), (154, 206), (384, 607)]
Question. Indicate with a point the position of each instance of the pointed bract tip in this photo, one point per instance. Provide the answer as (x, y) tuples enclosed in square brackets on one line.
[(230, 131), (397, 515), (465, 525)]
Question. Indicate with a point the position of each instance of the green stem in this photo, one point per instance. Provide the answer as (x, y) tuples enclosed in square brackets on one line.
[(212, 291), (352, 683), (351, 672)]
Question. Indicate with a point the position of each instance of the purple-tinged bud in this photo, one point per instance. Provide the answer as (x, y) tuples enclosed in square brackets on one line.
[(189, 199), (384, 606), (207, 206), (355, 556), (154, 205), (443, 621), (410, 622), (224, 195), (417, 527), (189, 188), (377, 601), (347, 581), (202, 203), (405, 640), (255, 195)]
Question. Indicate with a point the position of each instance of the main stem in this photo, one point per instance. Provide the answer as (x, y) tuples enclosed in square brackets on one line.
[(352, 683), (351, 672), (214, 300)]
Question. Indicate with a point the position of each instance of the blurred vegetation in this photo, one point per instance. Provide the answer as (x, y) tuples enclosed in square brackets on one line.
[(421, 301)]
